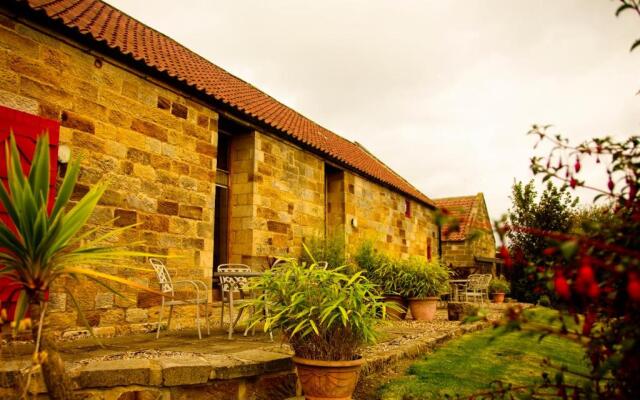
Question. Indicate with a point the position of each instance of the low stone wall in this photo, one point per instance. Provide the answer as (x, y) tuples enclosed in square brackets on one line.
[(250, 374)]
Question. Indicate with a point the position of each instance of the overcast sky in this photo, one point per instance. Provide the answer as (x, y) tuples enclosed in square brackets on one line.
[(441, 91)]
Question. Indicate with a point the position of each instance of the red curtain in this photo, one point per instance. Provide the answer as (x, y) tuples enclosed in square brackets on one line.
[(26, 129)]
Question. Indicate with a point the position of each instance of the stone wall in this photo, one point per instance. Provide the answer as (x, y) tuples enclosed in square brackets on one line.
[(242, 198), (380, 216), (156, 148), (290, 197)]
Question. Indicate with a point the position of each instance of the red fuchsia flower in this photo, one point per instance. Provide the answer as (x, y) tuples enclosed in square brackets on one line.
[(598, 160), (633, 287), (504, 253), (585, 280), (550, 251), (594, 290), (610, 184), (573, 183), (560, 163), (562, 286), (577, 165)]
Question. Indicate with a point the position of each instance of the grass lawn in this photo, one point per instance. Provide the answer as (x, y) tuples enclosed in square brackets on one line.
[(470, 363)]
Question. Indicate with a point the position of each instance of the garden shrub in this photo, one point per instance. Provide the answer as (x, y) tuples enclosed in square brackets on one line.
[(323, 313), (331, 250)]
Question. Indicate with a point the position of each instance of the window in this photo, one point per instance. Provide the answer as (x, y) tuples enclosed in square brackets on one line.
[(407, 208), (429, 249), (221, 211), (223, 151)]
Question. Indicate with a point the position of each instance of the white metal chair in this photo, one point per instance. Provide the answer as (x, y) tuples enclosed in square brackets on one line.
[(473, 288), (167, 288), (229, 285), (485, 285)]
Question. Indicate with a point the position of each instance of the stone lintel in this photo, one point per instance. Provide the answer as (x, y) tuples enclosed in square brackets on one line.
[(117, 373), (268, 361), (184, 371)]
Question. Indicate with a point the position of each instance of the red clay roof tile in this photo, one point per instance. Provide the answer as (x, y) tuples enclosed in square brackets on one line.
[(118, 30), (459, 208)]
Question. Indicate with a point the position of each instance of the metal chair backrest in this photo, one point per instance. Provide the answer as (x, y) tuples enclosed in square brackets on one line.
[(486, 281), (476, 281), (239, 282), (164, 279)]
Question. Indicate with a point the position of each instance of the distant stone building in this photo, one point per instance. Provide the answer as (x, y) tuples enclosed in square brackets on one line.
[(472, 247), (213, 169)]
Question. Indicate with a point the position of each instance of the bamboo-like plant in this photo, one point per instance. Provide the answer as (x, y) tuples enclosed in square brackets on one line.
[(323, 313), (422, 279), (499, 285), (43, 244), (379, 268)]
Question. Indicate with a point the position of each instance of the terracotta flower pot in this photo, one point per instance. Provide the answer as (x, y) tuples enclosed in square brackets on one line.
[(400, 301), (423, 309), (324, 380), (498, 298)]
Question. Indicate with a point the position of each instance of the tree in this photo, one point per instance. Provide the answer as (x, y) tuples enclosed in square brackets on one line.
[(551, 212)]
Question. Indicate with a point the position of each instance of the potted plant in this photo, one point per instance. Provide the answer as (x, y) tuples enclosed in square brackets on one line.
[(326, 316), (499, 287), (421, 283), (45, 241), (388, 277), (384, 272)]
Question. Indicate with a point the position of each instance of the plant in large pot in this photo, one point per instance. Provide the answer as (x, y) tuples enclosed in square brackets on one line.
[(45, 243), (422, 282), (499, 287), (384, 272), (326, 316)]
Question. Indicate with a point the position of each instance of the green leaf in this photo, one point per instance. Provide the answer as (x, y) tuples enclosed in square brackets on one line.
[(82, 316), (314, 327), (622, 8), (39, 174), (569, 249), (345, 316), (66, 188)]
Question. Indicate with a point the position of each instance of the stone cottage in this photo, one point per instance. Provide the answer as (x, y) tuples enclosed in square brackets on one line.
[(472, 247), (212, 168)]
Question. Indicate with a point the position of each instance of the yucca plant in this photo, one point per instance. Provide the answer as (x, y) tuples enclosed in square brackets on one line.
[(323, 313), (47, 244)]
